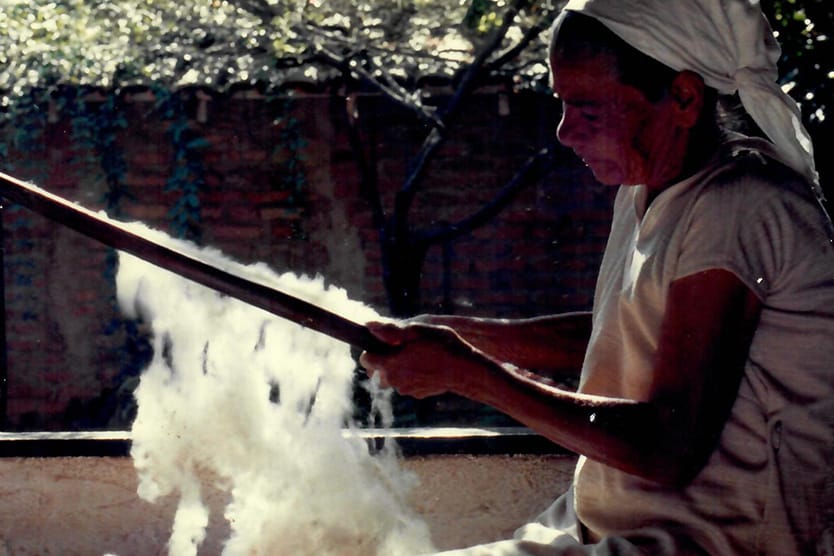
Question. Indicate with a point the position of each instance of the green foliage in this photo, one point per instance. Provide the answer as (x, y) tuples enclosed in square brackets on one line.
[(26, 123), (44, 43), (111, 43), (805, 30), (290, 151), (95, 127), (119, 42), (482, 16), (96, 124), (188, 172)]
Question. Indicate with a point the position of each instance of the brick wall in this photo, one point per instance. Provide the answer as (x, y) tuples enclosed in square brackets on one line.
[(67, 346)]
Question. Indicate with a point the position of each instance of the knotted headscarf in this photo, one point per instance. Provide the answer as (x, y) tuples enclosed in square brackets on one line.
[(727, 42)]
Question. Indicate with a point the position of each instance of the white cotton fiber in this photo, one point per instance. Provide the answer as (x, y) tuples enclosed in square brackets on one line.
[(259, 406)]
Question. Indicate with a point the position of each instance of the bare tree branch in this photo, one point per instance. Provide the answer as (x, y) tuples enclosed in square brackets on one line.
[(467, 82), (340, 36), (349, 65), (344, 64), (514, 51)]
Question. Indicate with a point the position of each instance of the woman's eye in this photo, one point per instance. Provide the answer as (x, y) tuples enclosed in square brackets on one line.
[(589, 117)]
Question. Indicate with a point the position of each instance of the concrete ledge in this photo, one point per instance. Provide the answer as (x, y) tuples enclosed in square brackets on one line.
[(414, 441)]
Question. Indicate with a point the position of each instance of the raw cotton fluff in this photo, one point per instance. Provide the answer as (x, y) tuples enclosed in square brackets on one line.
[(261, 407)]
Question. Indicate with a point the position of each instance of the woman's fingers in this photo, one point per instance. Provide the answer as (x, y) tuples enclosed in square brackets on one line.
[(371, 363), (412, 369), (429, 359), (391, 334)]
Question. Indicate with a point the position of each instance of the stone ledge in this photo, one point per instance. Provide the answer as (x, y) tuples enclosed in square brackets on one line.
[(413, 441)]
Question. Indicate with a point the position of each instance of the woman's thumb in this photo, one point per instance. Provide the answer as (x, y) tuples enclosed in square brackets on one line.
[(391, 333)]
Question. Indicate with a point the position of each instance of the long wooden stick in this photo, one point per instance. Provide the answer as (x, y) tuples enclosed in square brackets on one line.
[(118, 236)]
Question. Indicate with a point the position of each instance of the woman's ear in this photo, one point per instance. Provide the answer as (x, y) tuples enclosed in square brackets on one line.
[(687, 94)]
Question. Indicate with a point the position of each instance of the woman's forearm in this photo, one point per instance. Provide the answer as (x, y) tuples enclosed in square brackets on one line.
[(435, 357), (551, 345), (635, 437)]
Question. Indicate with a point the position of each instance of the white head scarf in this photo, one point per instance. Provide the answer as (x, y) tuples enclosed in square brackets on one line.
[(727, 42)]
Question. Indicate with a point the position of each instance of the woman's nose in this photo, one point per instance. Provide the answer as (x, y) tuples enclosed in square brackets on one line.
[(567, 131)]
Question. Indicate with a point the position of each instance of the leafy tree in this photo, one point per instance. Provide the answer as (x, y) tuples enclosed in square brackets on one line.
[(171, 43), (388, 46), (385, 46)]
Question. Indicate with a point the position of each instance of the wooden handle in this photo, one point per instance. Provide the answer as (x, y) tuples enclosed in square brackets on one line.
[(118, 236)]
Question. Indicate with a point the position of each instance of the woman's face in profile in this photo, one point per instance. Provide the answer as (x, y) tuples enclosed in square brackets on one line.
[(610, 125)]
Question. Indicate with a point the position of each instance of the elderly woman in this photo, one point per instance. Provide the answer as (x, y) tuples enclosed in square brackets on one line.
[(705, 412)]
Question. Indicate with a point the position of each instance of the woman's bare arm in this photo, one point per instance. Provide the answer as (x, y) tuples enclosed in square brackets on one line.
[(552, 346), (666, 435)]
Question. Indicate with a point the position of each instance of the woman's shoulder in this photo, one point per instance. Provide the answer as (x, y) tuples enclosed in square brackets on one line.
[(751, 191), (748, 171)]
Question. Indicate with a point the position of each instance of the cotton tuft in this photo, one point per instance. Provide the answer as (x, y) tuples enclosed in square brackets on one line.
[(261, 408)]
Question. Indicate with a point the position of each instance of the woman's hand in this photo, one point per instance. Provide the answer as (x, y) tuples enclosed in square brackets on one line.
[(427, 359)]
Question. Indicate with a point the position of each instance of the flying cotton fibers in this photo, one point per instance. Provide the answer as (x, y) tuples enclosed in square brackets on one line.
[(261, 408)]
